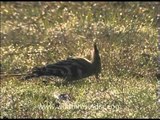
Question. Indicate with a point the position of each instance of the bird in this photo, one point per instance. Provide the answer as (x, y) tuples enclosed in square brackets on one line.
[(71, 69)]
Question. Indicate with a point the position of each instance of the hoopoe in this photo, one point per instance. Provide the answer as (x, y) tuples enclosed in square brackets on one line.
[(71, 68)]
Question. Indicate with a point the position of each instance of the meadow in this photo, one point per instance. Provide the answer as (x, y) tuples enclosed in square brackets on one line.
[(40, 33)]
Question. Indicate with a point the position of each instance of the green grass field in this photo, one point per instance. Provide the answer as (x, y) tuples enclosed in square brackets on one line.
[(39, 33)]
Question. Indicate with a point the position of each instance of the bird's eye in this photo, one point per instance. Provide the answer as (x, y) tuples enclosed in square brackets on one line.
[(36, 75)]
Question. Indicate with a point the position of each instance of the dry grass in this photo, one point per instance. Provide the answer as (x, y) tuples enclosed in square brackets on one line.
[(34, 34)]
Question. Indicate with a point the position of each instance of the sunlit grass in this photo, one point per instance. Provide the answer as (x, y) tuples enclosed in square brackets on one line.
[(35, 34), (121, 97)]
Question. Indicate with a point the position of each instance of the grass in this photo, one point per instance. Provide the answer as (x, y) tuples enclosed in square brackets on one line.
[(108, 98), (36, 33)]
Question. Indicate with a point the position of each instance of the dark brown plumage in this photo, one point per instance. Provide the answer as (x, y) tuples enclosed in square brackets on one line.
[(71, 68)]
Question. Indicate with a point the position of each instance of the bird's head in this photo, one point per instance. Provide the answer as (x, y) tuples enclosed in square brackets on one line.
[(35, 72)]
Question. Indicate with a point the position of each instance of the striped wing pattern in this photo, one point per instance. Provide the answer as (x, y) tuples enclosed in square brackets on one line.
[(69, 69)]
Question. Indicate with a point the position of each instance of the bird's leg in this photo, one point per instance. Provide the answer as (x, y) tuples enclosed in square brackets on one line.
[(97, 77)]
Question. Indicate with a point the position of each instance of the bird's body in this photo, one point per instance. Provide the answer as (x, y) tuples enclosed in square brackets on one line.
[(71, 68)]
